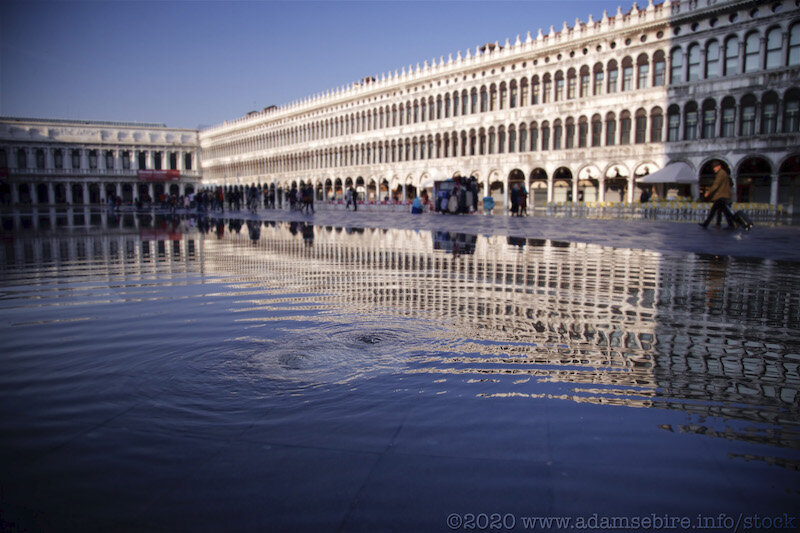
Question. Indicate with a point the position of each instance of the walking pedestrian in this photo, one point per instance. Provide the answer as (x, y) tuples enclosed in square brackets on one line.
[(720, 195)]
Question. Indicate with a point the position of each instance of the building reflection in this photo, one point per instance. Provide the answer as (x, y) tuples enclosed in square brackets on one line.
[(703, 335)]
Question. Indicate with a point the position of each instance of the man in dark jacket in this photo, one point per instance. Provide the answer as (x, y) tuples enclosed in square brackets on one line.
[(720, 195)]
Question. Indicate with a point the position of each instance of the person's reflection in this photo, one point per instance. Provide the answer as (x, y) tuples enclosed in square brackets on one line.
[(220, 228), (308, 234), (254, 229), (715, 280)]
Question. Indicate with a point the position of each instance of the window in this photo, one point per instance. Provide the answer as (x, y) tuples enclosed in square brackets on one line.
[(690, 122), (598, 83), (791, 112), (794, 45), (501, 141), (76, 159), (611, 129), (597, 130), (640, 136), (40, 159), (709, 120), (748, 125), (512, 140), (774, 49), (659, 67), (625, 127), (728, 118), (559, 88), (547, 86), (751, 49), (676, 68), (693, 72), (656, 125), (535, 91), (534, 137), (642, 75), (447, 106), (58, 159), (613, 76), (570, 137), (484, 100), (769, 113), (545, 136), (557, 135), (673, 124), (712, 60), (583, 132), (503, 95), (474, 101), (513, 94), (523, 92), (584, 84), (455, 104), (572, 84), (523, 138)]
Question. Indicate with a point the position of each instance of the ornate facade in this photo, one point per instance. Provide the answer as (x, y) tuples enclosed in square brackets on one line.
[(577, 113), (45, 161)]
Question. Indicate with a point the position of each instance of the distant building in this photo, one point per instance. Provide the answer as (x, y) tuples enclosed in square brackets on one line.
[(577, 113), (46, 161)]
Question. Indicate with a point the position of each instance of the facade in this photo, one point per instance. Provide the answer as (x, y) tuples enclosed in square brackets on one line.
[(73, 162), (576, 114)]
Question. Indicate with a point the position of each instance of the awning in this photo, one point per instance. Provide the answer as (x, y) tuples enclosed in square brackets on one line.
[(672, 173)]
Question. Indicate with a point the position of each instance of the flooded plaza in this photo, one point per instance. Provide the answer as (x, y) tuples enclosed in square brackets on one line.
[(239, 374)]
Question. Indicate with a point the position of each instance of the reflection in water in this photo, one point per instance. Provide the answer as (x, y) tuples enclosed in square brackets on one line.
[(503, 317)]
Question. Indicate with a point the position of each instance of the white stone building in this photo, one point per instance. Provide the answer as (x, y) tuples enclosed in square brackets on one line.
[(45, 161), (576, 113)]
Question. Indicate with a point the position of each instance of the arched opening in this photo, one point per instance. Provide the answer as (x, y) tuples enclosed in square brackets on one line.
[(537, 191), (173, 189), (562, 185), (94, 193), (753, 178), (361, 191), (24, 191), (77, 193), (496, 191), (60, 193), (789, 184), (383, 191), (616, 184), (127, 193), (41, 194), (706, 177)]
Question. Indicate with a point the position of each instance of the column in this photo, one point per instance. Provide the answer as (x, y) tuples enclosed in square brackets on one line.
[(506, 205), (773, 190), (181, 166), (101, 160), (15, 194), (85, 190), (68, 192), (118, 160), (118, 190), (630, 188), (49, 161), (135, 191), (549, 188), (601, 186), (151, 192), (150, 159), (51, 196), (404, 192), (84, 159), (66, 158), (575, 188)]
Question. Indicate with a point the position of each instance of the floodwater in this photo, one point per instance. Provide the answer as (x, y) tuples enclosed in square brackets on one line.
[(207, 375)]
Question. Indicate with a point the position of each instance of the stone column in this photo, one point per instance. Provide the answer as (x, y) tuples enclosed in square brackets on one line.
[(84, 159), (51, 196), (631, 183), (549, 188), (68, 192), (135, 191), (85, 190), (601, 189), (773, 190), (101, 160), (575, 188), (15, 194), (118, 190), (506, 196), (405, 187), (49, 160), (150, 159)]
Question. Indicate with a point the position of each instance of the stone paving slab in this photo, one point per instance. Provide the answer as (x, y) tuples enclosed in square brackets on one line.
[(763, 241)]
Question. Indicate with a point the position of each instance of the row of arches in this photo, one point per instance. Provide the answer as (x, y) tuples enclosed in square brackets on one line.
[(46, 158), (710, 119)]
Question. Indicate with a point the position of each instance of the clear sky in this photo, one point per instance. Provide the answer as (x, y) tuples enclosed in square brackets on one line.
[(199, 63)]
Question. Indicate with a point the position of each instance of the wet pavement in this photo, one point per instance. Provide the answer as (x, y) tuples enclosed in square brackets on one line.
[(766, 241)]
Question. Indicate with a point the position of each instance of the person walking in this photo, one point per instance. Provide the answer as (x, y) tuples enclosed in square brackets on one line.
[(720, 195)]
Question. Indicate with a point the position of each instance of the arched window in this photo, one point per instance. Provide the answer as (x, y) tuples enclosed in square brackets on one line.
[(503, 95), (584, 82), (728, 109), (748, 110), (512, 140), (423, 110), (416, 112), (559, 96), (693, 70), (625, 127), (673, 123), (794, 45), (656, 124), (473, 140), (642, 71), (464, 102), (483, 147), (731, 56), (492, 97), (447, 105), (523, 138), (558, 133), (791, 111), (523, 92), (545, 135), (640, 131), (512, 96), (484, 100), (535, 90), (473, 100), (751, 51), (613, 77), (455, 104), (676, 66), (40, 159), (769, 113), (569, 133), (583, 132), (547, 87), (597, 130), (773, 57), (572, 84), (709, 119), (611, 129), (534, 136), (501, 140), (659, 67), (690, 121), (712, 59), (598, 79)]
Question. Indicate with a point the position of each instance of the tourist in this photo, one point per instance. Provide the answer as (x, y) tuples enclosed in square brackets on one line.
[(720, 195)]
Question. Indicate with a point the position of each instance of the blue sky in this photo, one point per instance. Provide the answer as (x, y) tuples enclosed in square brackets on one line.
[(190, 64)]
